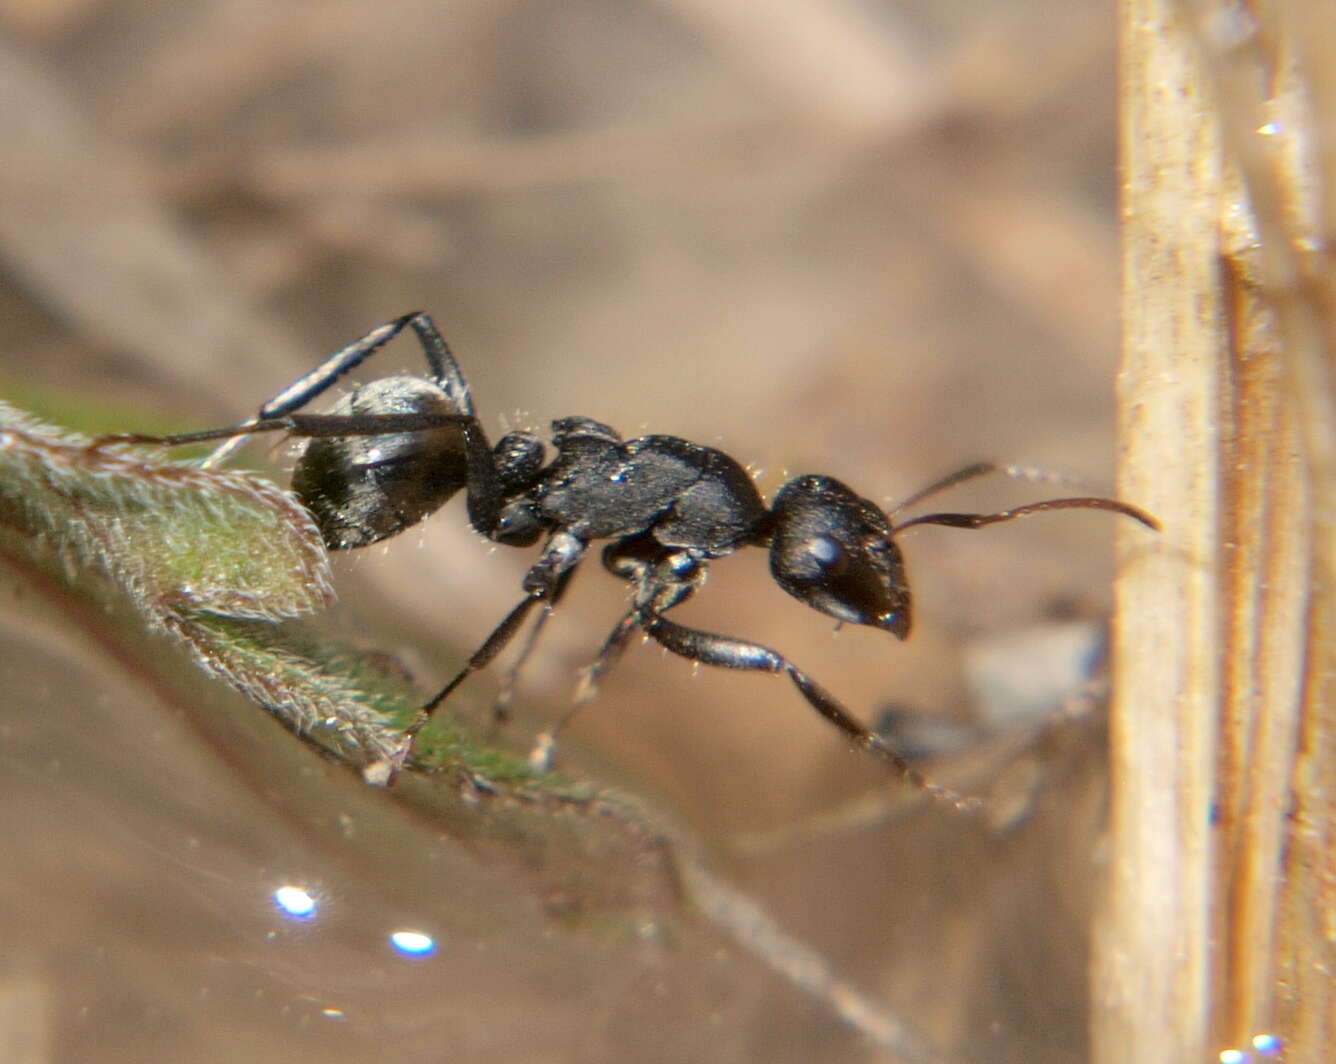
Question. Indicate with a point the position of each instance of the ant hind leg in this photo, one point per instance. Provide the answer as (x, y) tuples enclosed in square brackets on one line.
[(312, 385), (275, 413)]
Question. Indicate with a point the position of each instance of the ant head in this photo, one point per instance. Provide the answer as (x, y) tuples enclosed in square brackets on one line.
[(833, 550)]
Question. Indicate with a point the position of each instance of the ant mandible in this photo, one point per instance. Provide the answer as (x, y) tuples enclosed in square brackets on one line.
[(394, 450)]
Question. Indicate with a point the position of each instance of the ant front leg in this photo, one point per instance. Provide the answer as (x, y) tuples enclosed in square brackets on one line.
[(709, 648)]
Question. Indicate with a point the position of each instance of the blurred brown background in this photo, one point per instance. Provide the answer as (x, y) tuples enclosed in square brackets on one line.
[(870, 239)]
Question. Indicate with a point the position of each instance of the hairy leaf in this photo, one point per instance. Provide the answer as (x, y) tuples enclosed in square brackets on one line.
[(215, 558)]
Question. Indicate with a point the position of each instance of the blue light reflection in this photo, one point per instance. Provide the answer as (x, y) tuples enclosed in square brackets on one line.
[(295, 901), (413, 943)]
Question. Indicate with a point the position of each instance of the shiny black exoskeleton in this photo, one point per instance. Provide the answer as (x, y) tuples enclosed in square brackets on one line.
[(396, 449)]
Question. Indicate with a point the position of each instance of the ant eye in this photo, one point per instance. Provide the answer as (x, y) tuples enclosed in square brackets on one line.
[(826, 554)]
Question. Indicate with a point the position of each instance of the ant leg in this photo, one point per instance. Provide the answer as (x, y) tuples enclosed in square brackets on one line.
[(314, 384), (445, 370), (484, 497), (608, 656), (711, 649), (642, 562), (301, 425), (500, 636), (315, 426), (663, 580), (545, 745), (562, 554), (506, 695)]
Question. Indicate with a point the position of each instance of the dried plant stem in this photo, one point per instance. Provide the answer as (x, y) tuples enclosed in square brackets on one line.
[(1151, 984), (1222, 870)]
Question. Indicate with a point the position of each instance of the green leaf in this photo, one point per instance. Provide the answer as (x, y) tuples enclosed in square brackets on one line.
[(217, 559)]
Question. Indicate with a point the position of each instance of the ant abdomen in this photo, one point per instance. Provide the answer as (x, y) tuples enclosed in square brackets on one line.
[(362, 489)]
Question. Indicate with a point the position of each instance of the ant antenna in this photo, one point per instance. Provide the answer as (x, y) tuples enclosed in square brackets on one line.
[(1083, 502), (979, 469), (970, 472)]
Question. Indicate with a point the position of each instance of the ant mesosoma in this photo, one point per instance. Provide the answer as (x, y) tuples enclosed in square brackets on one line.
[(394, 450)]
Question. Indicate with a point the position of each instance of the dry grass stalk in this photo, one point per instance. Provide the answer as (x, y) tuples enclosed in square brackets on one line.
[(1222, 866)]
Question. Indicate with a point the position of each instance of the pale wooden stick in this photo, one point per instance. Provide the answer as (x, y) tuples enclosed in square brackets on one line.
[(1217, 926)]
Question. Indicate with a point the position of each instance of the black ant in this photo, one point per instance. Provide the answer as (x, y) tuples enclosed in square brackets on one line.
[(394, 450)]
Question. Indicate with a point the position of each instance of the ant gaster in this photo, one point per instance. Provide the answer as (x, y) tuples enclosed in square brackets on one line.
[(394, 450)]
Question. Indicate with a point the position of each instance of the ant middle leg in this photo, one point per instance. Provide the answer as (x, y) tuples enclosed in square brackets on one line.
[(663, 578)]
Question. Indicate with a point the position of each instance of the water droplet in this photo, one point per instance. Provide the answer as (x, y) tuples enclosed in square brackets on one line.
[(295, 901), (413, 943)]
